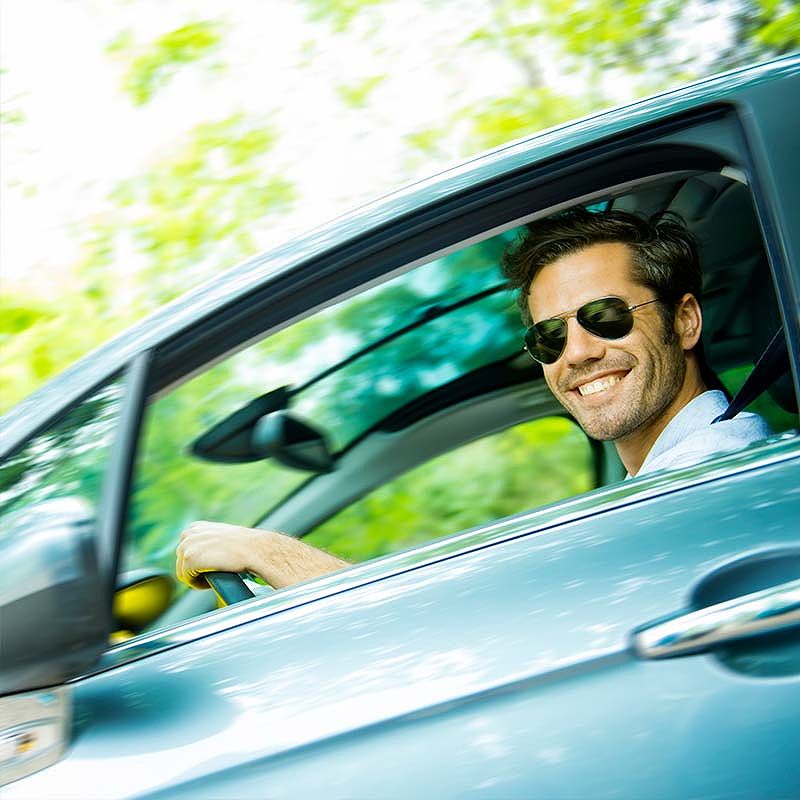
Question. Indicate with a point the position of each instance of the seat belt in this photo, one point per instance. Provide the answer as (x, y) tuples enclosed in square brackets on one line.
[(774, 361)]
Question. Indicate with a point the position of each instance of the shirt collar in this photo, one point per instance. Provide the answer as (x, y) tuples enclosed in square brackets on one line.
[(698, 412)]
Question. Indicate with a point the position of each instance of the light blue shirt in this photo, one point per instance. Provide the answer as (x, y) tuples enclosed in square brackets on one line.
[(690, 437)]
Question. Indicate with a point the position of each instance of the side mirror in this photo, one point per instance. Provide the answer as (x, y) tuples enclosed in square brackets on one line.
[(292, 441), (54, 622)]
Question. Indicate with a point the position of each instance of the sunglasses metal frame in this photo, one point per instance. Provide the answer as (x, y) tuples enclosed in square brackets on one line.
[(564, 317)]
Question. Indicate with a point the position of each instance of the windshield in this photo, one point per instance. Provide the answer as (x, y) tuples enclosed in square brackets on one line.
[(421, 360)]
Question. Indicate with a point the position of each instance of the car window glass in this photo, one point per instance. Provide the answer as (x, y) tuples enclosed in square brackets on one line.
[(172, 487), (67, 460), (523, 467), (425, 358)]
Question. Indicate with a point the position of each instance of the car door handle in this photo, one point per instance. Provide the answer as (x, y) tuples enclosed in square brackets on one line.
[(768, 611)]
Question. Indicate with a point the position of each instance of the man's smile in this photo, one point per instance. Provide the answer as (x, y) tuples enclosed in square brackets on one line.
[(599, 384)]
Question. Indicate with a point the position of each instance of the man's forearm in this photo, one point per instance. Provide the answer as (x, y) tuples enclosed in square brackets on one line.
[(283, 560)]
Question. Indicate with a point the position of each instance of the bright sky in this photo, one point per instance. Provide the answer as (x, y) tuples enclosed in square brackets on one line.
[(81, 134)]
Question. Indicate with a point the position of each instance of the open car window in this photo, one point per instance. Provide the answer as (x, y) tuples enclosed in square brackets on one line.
[(423, 365), (343, 397)]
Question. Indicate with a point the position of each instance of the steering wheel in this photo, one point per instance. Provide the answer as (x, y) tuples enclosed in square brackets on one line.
[(228, 586)]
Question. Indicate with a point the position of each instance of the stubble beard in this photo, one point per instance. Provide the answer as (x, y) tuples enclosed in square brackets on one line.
[(646, 398)]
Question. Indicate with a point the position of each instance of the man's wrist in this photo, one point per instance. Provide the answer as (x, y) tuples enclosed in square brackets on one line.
[(260, 554)]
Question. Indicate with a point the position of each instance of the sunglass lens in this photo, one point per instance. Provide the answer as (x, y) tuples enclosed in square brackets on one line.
[(545, 341), (608, 318)]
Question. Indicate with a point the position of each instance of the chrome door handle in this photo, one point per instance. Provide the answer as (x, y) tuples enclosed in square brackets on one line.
[(767, 611)]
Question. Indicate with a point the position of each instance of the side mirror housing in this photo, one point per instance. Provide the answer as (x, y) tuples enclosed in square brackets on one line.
[(54, 621)]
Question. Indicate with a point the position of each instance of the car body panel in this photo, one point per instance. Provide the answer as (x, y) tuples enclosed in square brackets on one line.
[(775, 174), (347, 691)]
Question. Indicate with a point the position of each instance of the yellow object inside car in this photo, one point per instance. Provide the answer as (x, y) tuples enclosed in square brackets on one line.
[(138, 602)]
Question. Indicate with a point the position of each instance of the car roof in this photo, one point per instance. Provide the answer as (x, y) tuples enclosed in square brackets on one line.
[(237, 282)]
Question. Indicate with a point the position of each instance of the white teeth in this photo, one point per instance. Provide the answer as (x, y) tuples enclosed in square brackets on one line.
[(599, 385)]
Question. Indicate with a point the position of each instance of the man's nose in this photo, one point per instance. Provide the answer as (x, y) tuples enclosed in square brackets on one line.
[(582, 346)]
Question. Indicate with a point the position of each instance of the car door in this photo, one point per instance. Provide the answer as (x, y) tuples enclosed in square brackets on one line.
[(502, 662), (540, 688)]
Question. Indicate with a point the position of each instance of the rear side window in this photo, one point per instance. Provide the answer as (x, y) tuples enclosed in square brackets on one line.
[(523, 467)]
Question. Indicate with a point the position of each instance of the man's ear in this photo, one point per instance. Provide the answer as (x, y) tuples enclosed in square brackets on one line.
[(688, 321)]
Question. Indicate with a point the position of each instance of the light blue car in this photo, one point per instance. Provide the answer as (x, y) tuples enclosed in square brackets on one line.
[(520, 622)]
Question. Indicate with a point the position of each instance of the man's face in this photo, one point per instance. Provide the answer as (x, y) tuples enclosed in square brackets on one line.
[(611, 387)]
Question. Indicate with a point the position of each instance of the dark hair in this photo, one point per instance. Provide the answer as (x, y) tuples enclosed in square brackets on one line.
[(664, 258), (664, 252)]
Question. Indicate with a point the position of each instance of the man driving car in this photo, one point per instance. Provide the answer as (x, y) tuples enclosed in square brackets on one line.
[(612, 306)]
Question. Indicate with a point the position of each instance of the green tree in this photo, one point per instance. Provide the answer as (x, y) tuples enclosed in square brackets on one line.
[(526, 466), (647, 43), (199, 207), (151, 66), (40, 338), (761, 29), (194, 212)]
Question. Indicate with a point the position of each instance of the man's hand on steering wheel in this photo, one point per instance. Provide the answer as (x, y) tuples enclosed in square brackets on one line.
[(278, 559)]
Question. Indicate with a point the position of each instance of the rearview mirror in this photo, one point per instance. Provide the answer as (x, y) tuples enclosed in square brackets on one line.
[(292, 441)]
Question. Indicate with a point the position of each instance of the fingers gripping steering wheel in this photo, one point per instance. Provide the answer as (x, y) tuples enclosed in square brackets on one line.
[(228, 586)]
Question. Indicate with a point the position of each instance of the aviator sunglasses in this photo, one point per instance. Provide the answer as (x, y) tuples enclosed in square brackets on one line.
[(606, 317)]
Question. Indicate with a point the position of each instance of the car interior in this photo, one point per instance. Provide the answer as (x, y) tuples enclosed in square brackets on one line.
[(741, 316)]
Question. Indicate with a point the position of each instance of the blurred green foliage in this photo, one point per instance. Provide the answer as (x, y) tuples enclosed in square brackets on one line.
[(762, 29), (67, 460), (17, 315), (355, 95), (779, 27), (524, 467), (10, 112), (338, 13), (645, 42), (498, 121), (195, 209), (150, 67), (199, 207)]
